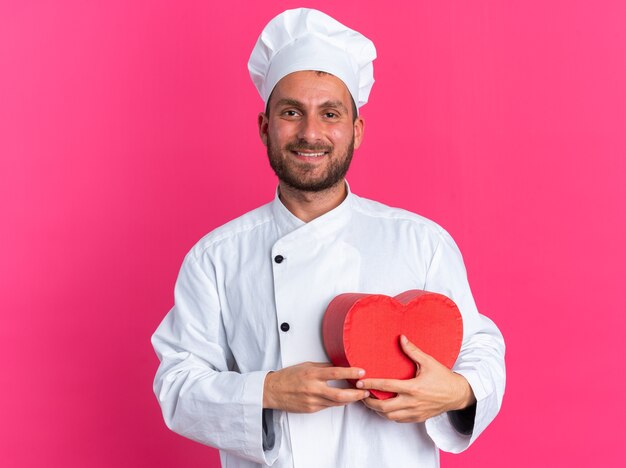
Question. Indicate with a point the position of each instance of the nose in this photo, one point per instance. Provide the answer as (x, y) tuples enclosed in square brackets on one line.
[(310, 129)]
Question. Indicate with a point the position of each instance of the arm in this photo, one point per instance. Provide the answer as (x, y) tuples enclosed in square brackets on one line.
[(456, 405), (201, 397), (481, 360)]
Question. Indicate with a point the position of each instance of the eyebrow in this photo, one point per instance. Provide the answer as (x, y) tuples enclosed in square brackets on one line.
[(337, 104), (289, 102), (295, 103)]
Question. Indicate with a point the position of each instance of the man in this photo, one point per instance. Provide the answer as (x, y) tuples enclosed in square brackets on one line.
[(242, 367)]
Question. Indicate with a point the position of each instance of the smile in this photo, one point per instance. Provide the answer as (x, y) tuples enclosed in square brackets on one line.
[(310, 155)]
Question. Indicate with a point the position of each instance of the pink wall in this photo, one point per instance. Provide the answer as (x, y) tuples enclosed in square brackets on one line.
[(127, 131)]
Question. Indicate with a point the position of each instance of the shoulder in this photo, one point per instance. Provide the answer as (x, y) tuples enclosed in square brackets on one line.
[(239, 228), (398, 217), (407, 228)]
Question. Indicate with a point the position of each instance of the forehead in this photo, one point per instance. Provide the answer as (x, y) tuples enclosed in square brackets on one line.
[(311, 87)]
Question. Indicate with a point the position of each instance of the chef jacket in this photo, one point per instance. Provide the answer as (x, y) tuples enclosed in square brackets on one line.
[(250, 298)]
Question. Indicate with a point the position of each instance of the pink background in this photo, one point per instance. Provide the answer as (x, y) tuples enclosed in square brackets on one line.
[(128, 130)]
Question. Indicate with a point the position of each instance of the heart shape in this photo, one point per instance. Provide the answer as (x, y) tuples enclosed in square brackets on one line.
[(363, 330)]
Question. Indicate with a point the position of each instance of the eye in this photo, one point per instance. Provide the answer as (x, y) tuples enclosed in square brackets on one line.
[(330, 115), (290, 113)]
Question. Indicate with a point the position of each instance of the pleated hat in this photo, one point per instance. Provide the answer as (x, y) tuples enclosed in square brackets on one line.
[(307, 39)]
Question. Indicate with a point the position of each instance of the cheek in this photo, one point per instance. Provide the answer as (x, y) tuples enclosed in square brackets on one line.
[(281, 135), (340, 136)]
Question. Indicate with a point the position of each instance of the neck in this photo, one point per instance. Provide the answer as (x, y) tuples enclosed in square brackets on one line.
[(310, 205)]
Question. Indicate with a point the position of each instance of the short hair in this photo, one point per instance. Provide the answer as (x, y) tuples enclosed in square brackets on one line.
[(355, 112)]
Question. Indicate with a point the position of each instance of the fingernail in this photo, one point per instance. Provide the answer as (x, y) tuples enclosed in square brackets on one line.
[(367, 394), (359, 384), (361, 373), (403, 339)]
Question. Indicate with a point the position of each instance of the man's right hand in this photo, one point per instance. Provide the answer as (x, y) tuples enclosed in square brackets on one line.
[(303, 388)]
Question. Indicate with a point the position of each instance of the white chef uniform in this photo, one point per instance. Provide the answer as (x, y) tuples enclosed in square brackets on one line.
[(250, 298)]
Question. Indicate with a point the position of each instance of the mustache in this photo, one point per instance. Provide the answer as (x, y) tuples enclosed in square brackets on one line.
[(304, 146)]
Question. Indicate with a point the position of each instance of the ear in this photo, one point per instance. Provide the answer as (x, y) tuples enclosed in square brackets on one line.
[(359, 128), (263, 122)]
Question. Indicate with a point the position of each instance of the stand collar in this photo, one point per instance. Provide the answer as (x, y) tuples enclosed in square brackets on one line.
[(288, 222)]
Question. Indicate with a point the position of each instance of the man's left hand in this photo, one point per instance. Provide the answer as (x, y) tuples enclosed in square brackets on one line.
[(435, 389)]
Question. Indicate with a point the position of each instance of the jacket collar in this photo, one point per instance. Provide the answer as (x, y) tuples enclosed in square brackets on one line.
[(331, 221)]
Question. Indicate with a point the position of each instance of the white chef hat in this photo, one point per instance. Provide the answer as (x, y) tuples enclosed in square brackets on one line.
[(306, 39)]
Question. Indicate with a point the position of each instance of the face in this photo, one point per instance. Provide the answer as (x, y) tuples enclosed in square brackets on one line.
[(309, 130)]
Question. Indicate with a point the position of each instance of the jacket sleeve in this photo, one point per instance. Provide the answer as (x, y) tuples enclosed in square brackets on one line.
[(202, 395), (481, 360)]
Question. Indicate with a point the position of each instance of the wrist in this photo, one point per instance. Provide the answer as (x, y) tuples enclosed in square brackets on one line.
[(267, 391), (465, 393)]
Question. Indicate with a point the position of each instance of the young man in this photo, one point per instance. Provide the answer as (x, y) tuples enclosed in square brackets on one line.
[(243, 367)]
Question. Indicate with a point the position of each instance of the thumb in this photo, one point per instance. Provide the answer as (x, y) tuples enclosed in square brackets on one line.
[(413, 351)]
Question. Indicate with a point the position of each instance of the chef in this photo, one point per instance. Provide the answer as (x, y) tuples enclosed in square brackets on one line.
[(243, 367)]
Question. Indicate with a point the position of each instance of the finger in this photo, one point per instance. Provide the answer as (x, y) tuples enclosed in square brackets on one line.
[(404, 416), (416, 354), (344, 395), (341, 373), (385, 406), (371, 403), (387, 410), (386, 385), (379, 414)]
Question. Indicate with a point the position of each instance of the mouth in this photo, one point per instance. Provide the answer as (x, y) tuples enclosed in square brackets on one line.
[(310, 154)]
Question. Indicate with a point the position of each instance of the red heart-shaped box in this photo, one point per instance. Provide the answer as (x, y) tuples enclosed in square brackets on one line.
[(363, 330)]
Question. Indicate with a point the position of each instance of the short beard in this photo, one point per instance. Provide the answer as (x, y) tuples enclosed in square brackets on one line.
[(336, 171)]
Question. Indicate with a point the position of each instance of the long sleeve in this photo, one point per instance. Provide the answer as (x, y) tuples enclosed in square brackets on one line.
[(202, 396), (481, 360)]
